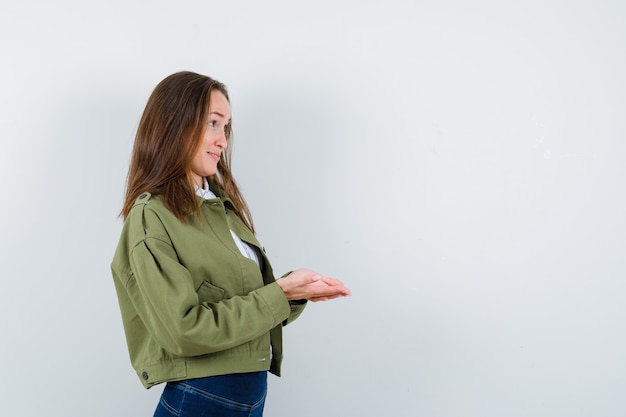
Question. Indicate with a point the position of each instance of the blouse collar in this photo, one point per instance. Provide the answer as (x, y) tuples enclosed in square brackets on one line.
[(205, 192)]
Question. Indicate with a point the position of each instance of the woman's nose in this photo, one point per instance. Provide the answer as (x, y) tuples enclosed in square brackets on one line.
[(221, 141)]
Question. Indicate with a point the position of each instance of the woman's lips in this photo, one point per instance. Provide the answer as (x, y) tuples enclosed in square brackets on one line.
[(215, 156)]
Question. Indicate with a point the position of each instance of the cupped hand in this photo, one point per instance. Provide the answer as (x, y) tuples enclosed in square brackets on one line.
[(306, 284)]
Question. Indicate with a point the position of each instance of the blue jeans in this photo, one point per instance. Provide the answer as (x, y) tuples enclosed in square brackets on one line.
[(234, 395)]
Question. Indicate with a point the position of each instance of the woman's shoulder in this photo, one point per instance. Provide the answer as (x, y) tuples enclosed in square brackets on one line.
[(148, 209), (150, 218), (142, 223), (148, 202)]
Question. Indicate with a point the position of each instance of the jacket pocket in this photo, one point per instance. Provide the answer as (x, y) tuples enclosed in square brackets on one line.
[(208, 292)]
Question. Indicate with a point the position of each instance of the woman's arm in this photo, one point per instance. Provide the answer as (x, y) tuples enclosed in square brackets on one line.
[(163, 294)]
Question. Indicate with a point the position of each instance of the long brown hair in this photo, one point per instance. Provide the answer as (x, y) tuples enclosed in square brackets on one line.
[(168, 136)]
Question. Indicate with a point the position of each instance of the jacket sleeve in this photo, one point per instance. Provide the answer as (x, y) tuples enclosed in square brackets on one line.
[(297, 307), (163, 294)]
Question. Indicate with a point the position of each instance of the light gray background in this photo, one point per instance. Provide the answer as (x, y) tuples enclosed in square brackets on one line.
[(460, 165)]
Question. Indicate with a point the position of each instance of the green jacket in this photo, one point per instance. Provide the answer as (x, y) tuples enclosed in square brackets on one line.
[(191, 304)]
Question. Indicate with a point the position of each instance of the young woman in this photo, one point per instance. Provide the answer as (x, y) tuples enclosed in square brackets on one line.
[(200, 305)]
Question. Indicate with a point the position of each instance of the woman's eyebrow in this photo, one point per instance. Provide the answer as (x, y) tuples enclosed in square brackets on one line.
[(219, 114)]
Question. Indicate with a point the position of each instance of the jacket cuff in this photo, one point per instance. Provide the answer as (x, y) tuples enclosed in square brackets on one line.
[(276, 302)]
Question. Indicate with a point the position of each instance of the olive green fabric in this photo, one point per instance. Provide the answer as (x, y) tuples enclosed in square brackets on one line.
[(191, 304)]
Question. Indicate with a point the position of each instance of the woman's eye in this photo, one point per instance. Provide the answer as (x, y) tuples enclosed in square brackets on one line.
[(212, 123)]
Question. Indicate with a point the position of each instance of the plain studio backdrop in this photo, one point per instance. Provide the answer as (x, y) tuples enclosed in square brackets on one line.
[(460, 165)]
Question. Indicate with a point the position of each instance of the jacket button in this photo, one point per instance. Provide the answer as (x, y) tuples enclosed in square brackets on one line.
[(142, 197), (144, 376)]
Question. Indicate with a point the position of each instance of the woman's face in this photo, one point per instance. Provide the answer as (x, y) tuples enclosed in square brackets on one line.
[(213, 141)]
